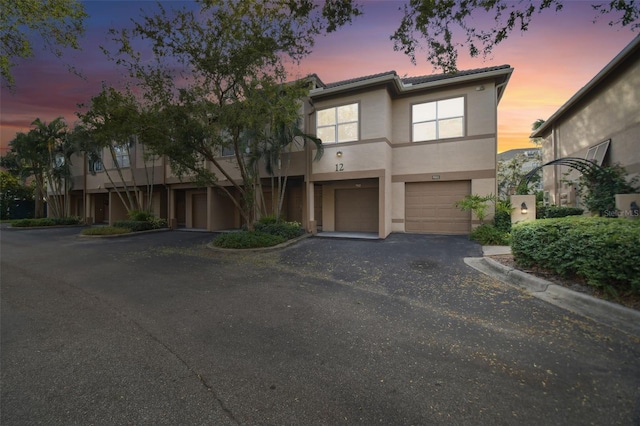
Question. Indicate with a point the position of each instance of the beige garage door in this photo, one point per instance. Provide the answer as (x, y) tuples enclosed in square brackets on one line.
[(430, 207), (357, 210), (199, 211)]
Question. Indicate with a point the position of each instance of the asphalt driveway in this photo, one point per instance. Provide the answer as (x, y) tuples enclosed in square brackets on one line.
[(158, 329)]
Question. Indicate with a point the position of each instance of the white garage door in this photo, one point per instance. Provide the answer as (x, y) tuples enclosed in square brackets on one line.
[(430, 207)]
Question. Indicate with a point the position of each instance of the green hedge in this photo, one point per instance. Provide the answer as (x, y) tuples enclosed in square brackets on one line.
[(46, 221), (134, 225), (548, 212), (606, 252), (105, 230), (245, 240), (288, 230), (488, 235)]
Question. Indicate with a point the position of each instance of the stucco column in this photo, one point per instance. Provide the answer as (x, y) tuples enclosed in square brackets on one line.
[(524, 208), (312, 225)]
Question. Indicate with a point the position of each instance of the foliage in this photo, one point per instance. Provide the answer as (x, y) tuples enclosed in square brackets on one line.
[(11, 192), (288, 230), (603, 251), (597, 188), (215, 82), (477, 204), (489, 235), (45, 154), (435, 25), (59, 23), (140, 215), (56, 149), (502, 218), (141, 225), (247, 239), (105, 230), (112, 123), (46, 221), (548, 212), (511, 173)]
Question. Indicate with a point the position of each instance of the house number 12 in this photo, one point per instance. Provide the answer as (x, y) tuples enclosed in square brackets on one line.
[(339, 167)]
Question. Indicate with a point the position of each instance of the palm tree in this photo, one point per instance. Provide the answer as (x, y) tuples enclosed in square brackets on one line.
[(56, 150), (278, 142)]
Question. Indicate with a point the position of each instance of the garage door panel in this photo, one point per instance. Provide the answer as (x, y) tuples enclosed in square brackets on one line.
[(430, 207)]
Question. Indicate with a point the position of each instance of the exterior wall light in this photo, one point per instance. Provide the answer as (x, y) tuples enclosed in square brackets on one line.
[(523, 208), (339, 154), (479, 88)]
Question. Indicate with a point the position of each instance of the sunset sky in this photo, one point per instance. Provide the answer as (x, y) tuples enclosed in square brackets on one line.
[(558, 55)]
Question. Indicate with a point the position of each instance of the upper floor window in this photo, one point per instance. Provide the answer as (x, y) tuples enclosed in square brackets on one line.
[(338, 124), (95, 163), (438, 120), (122, 155)]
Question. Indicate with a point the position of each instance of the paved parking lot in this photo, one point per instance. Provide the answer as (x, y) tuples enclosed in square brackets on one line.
[(158, 329)]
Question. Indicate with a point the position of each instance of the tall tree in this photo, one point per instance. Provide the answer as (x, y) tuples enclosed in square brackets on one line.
[(113, 123), (59, 23), (442, 28), (212, 76), (56, 149)]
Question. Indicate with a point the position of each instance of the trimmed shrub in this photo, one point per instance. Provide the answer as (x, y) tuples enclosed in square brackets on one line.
[(245, 240), (140, 215), (502, 222), (45, 221), (488, 235), (606, 252), (548, 212), (134, 225), (105, 230), (287, 230)]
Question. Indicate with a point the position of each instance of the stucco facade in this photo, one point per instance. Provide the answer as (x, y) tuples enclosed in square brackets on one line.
[(398, 153), (604, 110)]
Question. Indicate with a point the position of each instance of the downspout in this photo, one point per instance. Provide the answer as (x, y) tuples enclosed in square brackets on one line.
[(84, 189)]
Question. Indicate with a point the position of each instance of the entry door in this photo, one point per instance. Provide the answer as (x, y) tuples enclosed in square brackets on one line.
[(356, 210)]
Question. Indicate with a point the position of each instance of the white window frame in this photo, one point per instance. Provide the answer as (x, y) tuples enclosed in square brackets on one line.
[(437, 120), (336, 124)]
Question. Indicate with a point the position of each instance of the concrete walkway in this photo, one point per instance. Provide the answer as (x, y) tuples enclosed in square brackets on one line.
[(602, 311)]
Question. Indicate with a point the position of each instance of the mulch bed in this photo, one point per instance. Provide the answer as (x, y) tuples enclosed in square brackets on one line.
[(578, 284)]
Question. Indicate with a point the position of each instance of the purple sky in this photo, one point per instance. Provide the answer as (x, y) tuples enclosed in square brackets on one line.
[(554, 59)]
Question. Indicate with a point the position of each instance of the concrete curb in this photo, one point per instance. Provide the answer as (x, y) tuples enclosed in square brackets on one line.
[(127, 234), (613, 315)]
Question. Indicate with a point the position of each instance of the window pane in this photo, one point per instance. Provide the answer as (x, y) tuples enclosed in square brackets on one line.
[(450, 128), (424, 131), (348, 113), (424, 112), (451, 108), (327, 134), (326, 117), (348, 132), (123, 161)]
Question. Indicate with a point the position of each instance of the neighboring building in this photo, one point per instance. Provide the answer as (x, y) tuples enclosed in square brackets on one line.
[(530, 158), (398, 153), (601, 122)]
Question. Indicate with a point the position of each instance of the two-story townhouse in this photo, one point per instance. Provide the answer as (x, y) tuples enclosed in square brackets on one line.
[(398, 153)]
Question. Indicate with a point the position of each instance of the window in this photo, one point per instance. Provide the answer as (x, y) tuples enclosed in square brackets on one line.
[(438, 120), (95, 163), (122, 155), (597, 153), (338, 124)]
